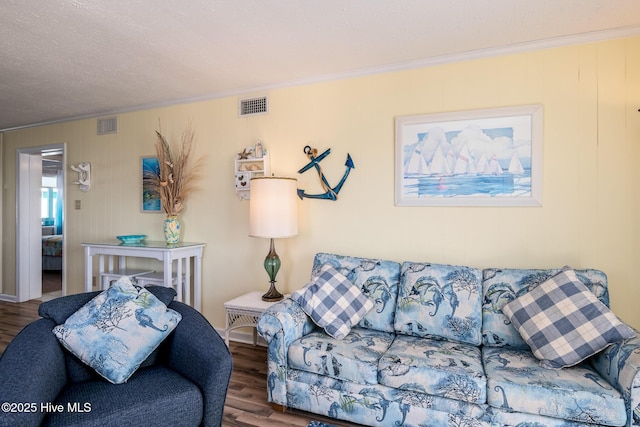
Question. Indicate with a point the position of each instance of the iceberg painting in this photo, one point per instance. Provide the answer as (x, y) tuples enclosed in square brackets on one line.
[(473, 158)]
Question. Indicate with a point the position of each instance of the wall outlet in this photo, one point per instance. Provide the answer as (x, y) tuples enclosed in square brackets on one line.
[(78, 205)]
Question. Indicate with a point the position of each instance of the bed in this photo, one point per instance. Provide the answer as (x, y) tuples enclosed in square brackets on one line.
[(52, 252)]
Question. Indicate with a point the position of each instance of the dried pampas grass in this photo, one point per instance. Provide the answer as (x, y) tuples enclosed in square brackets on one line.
[(177, 174)]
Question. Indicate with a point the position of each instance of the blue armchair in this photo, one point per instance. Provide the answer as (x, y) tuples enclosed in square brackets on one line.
[(182, 383)]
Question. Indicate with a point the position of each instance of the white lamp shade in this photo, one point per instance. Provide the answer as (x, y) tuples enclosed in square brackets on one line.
[(273, 207)]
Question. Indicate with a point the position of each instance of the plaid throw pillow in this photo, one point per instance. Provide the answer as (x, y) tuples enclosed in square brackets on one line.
[(333, 302), (563, 322)]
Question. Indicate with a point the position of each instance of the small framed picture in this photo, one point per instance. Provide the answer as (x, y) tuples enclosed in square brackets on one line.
[(150, 202)]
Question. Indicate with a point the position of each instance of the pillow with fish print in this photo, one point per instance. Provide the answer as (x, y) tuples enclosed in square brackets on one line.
[(117, 330)]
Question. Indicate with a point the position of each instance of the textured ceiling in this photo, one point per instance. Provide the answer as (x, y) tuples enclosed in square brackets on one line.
[(79, 58)]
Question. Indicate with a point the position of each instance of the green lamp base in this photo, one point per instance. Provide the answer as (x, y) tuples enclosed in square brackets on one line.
[(272, 265), (272, 295)]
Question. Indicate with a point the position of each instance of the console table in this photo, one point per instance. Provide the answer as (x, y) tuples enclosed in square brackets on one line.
[(180, 252)]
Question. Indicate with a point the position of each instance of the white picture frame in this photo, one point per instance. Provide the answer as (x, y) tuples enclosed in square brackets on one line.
[(488, 157)]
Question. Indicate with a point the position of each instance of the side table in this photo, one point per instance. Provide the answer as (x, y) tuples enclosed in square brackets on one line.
[(244, 311)]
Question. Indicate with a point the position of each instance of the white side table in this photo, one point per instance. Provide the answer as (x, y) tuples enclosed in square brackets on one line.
[(243, 311)]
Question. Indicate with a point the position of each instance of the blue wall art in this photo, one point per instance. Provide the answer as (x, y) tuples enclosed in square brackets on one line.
[(330, 193), (150, 196), (487, 157)]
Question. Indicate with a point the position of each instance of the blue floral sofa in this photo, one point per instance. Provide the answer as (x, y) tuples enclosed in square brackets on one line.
[(437, 350)]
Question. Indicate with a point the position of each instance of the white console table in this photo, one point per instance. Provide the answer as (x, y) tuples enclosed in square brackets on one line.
[(180, 252)]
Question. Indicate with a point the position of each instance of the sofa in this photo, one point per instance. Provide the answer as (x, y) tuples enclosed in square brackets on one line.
[(182, 383), (436, 349)]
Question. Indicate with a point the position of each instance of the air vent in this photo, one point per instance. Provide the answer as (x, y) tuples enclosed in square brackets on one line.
[(107, 125), (252, 106)]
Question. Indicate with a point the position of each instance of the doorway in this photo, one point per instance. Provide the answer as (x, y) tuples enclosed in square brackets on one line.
[(40, 242)]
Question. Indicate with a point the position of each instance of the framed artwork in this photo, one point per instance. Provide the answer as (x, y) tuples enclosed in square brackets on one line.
[(489, 157), (150, 197)]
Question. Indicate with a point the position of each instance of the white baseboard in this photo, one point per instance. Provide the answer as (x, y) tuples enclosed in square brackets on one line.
[(9, 298), (243, 337)]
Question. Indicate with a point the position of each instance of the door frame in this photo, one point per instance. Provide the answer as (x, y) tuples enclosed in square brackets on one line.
[(28, 227)]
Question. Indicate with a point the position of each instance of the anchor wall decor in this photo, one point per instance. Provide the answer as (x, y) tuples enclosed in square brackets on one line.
[(331, 193)]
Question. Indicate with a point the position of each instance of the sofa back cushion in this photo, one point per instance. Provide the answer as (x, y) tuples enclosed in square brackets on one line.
[(501, 286), (378, 279), (440, 301)]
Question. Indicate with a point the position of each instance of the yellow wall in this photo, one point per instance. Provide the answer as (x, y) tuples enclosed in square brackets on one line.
[(591, 196)]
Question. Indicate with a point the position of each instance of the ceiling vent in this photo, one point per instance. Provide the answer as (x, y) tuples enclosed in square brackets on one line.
[(253, 106), (107, 125)]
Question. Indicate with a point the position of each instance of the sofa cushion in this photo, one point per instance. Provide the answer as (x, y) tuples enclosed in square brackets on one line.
[(379, 405), (378, 279), (515, 382), (155, 396), (333, 302), (563, 322), (117, 330), (437, 300), (500, 286), (439, 368), (354, 358)]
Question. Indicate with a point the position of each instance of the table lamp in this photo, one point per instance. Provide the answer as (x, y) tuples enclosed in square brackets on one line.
[(273, 214)]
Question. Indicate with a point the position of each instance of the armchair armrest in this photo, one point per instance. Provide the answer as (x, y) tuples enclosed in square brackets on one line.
[(620, 365), (197, 352), (32, 372), (280, 325)]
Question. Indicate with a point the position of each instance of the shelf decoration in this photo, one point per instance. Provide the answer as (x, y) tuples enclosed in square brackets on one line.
[(331, 193), (252, 162), (84, 175)]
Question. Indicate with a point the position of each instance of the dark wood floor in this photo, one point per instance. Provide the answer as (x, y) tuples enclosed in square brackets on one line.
[(246, 403)]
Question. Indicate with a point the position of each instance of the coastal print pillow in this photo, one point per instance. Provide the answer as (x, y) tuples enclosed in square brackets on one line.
[(117, 330), (563, 322), (333, 302), (440, 301)]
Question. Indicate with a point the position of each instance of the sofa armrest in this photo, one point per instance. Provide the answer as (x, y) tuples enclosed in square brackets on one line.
[(280, 325), (32, 372), (620, 365), (197, 352)]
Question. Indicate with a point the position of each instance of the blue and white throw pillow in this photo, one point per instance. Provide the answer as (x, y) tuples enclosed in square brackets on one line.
[(117, 330), (563, 322), (333, 302)]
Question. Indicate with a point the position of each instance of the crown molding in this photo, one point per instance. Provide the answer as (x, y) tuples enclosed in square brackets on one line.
[(551, 43)]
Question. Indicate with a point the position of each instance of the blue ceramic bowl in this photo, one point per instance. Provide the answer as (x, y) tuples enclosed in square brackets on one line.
[(132, 238)]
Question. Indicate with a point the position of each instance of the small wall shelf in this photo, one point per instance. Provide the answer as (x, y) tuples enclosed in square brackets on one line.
[(248, 168)]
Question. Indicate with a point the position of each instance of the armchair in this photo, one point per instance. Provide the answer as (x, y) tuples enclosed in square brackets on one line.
[(182, 383)]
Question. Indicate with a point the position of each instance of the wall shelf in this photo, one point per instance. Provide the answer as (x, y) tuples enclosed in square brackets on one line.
[(248, 168)]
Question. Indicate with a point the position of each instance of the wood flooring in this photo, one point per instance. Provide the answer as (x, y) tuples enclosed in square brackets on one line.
[(51, 281), (14, 317), (246, 404)]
